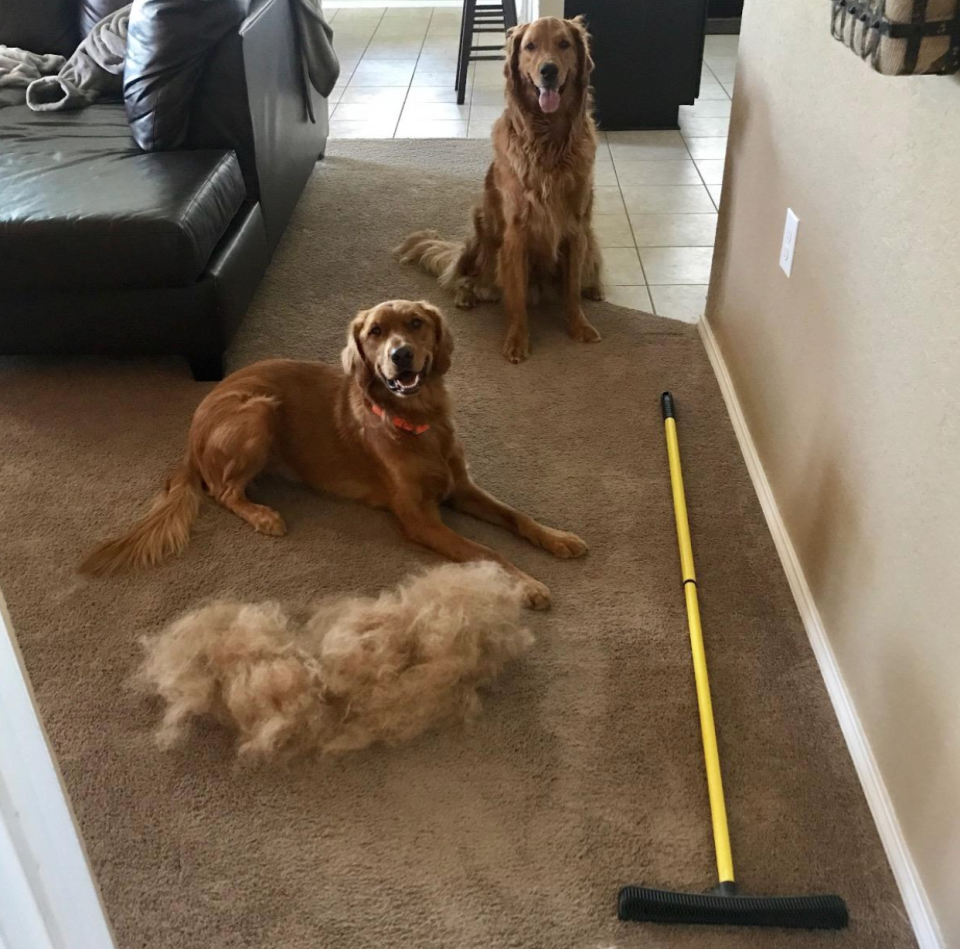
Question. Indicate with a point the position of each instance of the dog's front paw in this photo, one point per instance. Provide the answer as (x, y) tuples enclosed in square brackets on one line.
[(536, 596), (267, 521), (563, 544), (594, 293), (583, 332), (516, 347), (464, 297)]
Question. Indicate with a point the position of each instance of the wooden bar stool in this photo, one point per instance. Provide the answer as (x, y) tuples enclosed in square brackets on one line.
[(481, 18)]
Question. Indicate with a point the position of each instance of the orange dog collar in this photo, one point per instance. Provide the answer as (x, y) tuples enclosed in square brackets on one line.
[(398, 422)]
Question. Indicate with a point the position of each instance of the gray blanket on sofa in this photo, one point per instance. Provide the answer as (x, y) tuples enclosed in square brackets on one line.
[(319, 60), (95, 69), (18, 68)]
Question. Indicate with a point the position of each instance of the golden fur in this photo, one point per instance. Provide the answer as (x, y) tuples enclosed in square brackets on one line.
[(317, 423), (356, 672), (534, 222)]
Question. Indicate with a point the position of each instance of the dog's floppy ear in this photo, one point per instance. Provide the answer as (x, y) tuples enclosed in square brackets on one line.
[(511, 65), (443, 346), (353, 359), (581, 39)]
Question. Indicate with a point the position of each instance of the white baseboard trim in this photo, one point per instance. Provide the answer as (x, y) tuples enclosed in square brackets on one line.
[(912, 891)]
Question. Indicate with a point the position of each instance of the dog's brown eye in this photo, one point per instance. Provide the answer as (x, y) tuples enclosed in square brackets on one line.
[(530, 47), (564, 44), (415, 324), (375, 331)]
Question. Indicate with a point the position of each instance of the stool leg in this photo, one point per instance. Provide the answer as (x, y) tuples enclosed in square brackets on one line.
[(463, 26), (509, 13), (466, 41)]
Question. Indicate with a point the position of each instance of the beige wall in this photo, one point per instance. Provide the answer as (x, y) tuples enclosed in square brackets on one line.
[(849, 377)]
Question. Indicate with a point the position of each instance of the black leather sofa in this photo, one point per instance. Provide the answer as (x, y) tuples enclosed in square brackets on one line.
[(108, 248)]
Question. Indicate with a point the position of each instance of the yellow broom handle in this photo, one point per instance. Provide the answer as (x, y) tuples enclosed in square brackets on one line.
[(718, 810)]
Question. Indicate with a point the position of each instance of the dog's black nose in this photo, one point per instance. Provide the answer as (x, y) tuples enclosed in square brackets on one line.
[(549, 72), (402, 357)]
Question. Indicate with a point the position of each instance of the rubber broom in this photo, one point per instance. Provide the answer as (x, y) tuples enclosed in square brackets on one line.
[(724, 904)]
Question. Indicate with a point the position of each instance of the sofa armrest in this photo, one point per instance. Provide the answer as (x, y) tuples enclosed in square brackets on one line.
[(251, 98)]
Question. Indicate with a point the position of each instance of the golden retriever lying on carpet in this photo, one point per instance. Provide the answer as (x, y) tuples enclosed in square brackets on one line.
[(380, 432), (534, 222), (358, 671)]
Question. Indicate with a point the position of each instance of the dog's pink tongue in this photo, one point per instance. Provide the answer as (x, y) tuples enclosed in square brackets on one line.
[(549, 100)]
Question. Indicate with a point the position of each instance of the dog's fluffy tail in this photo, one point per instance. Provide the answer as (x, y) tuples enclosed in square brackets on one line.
[(430, 252), (164, 531)]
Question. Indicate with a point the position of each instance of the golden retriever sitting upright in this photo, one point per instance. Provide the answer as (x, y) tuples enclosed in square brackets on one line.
[(379, 432), (534, 223)]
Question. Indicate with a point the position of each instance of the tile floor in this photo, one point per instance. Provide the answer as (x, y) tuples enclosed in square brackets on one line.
[(657, 193)]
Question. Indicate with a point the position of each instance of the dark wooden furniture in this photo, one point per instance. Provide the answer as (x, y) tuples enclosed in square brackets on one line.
[(647, 54), (723, 16), (481, 18)]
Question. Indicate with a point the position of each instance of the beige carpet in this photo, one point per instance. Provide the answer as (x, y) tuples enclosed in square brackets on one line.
[(584, 772)]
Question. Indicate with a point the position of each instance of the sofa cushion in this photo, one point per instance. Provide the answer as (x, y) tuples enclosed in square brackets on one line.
[(40, 26), (84, 208), (168, 45)]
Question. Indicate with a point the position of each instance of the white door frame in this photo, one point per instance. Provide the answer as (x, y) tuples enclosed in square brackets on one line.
[(528, 10), (50, 899)]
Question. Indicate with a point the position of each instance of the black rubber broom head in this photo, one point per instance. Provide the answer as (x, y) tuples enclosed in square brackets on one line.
[(725, 907)]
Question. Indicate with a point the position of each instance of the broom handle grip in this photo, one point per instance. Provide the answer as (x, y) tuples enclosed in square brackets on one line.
[(666, 403), (718, 810)]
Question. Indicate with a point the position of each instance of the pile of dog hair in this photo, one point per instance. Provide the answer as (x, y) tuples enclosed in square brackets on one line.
[(356, 672)]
